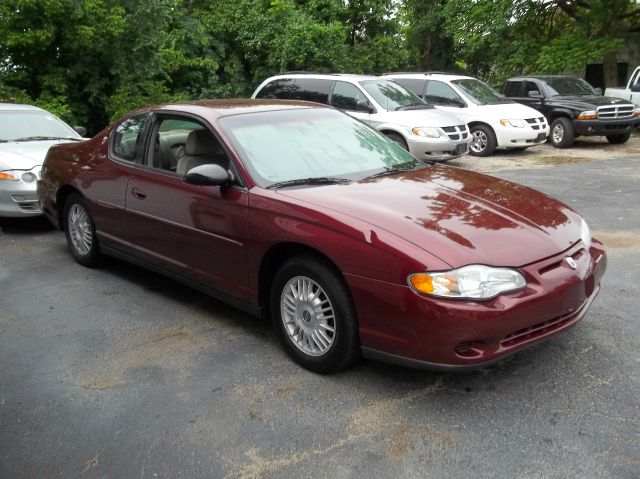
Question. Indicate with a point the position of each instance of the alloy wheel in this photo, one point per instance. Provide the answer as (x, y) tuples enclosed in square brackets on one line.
[(480, 141), (80, 229)]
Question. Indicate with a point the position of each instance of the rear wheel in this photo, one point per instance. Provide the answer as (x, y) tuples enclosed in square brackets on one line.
[(313, 315), (562, 133), (397, 139), (80, 231), (618, 139), (484, 141)]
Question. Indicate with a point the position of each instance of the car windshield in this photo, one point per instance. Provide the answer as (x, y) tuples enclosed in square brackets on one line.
[(479, 92), (390, 95), (18, 124), (287, 145), (568, 86)]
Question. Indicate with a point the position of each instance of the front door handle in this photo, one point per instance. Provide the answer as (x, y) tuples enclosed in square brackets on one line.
[(141, 195)]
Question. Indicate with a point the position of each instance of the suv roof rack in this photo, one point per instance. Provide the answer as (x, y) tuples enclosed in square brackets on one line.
[(302, 72), (422, 73)]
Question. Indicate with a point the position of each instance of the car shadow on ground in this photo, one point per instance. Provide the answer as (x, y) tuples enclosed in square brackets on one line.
[(25, 226)]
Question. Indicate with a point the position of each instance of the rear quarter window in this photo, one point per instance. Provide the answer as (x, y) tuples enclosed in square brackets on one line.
[(414, 85), (313, 89), (283, 89)]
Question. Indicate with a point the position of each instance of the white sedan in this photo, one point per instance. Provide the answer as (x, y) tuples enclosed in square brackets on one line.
[(26, 133)]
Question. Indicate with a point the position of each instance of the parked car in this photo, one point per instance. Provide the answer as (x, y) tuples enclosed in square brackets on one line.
[(631, 92), (26, 133), (349, 243), (495, 122), (574, 108), (427, 133)]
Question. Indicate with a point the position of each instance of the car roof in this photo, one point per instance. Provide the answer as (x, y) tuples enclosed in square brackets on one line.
[(539, 77), (229, 107), (427, 75), (325, 76), (18, 106)]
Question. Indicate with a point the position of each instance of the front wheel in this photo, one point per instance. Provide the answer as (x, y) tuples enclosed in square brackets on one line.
[(313, 315), (562, 133), (618, 139), (398, 139), (80, 231), (484, 141)]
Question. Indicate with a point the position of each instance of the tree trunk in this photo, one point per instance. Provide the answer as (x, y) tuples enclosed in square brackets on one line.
[(610, 69)]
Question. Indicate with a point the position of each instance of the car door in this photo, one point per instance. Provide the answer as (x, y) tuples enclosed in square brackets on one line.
[(197, 232), (349, 98), (532, 96)]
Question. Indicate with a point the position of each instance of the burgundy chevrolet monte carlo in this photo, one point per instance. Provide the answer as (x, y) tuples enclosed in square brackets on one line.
[(300, 212)]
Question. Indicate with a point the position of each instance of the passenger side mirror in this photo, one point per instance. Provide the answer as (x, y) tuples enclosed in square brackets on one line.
[(208, 175), (636, 87), (598, 90), (534, 94), (80, 130), (364, 105)]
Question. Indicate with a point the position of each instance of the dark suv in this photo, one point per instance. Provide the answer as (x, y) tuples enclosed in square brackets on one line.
[(574, 108)]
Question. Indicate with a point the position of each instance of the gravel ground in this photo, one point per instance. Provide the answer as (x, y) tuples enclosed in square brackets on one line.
[(120, 373)]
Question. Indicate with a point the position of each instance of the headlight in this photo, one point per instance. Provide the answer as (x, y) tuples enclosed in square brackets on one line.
[(585, 234), (588, 115), (513, 123), (10, 175), (426, 132), (473, 282)]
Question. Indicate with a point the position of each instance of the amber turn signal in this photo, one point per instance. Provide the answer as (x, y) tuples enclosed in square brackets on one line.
[(422, 283)]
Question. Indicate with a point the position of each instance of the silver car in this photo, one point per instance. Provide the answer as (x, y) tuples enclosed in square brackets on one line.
[(26, 133), (429, 134)]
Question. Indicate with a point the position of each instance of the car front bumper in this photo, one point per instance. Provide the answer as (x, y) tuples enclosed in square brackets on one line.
[(509, 137), (437, 149), (19, 199), (400, 326), (605, 127)]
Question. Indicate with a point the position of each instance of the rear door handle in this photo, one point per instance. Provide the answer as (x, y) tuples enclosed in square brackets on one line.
[(141, 195)]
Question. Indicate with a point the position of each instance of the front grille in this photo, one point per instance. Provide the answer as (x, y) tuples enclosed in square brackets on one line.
[(537, 123), (615, 112), (457, 133)]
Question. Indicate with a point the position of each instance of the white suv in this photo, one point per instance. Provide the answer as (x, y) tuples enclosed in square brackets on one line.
[(494, 121), (383, 104)]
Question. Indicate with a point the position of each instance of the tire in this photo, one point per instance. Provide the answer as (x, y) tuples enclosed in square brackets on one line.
[(562, 133), (484, 141), (397, 139), (80, 231), (618, 139), (322, 343)]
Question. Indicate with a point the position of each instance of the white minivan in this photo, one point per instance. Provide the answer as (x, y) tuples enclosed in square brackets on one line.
[(494, 121), (429, 134)]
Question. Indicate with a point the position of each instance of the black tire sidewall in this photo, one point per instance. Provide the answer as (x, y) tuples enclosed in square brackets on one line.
[(92, 257), (346, 345), (396, 138), (492, 142)]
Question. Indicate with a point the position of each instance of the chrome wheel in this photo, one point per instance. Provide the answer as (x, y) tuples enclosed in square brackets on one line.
[(480, 141), (79, 227), (557, 134), (308, 316)]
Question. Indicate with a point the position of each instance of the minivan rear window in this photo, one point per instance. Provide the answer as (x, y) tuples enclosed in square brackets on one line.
[(283, 89)]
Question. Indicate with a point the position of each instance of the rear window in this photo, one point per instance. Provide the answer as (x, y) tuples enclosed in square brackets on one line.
[(282, 89)]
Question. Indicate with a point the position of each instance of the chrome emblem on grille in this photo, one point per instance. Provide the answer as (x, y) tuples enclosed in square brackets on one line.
[(571, 262)]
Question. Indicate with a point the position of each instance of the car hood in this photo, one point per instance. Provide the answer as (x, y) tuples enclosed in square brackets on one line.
[(422, 117), (498, 111), (459, 216), (587, 102), (24, 155)]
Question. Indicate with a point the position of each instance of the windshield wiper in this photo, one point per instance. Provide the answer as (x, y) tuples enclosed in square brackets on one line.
[(410, 106), (43, 138), (389, 170), (322, 180)]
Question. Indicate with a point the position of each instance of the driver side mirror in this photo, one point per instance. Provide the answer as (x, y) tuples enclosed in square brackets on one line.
[(364, 105), (80, 130), (534, 94), (598, 90), (636, 87), (208, 175)]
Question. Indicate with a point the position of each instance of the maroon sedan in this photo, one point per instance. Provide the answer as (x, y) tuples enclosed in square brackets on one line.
[(301, 213)]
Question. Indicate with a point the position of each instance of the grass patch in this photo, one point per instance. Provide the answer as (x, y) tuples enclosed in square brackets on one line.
[(561, 160)]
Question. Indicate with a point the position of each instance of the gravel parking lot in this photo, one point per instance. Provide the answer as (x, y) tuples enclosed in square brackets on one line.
[(117, 372)]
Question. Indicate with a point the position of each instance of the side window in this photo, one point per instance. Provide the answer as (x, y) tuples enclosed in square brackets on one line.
[(439, 93), (127, 138), (346, 96), (414, 85), (513, 88), (313, 89), (282, 89), (530, 86), (180, 144)]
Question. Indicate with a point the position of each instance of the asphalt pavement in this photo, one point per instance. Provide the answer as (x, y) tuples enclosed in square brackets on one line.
[(117, 372)]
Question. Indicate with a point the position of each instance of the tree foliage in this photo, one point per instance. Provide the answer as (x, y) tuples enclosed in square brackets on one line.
[(89, 61)]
